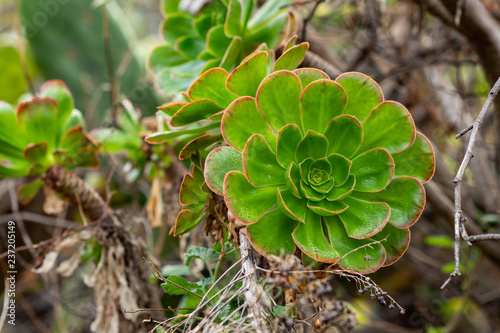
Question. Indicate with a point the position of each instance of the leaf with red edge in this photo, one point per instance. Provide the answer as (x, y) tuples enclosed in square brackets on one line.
[(191, 191), (198, 144), (359, 255), (246, 78), (363, 219), (288, 139), (272, 234), (389, 126), (246, 202), (236, 120), (405, 196), (310, 238), (291, 58), (219, 162), (193, 112), (417, 161), (170, 109), (373, 170), (309, 75), (188, 219), (364, 94), (321, 101), (259, 163), (278, 99), (212, 85), (38, 154), (28, 191), (38, 119), (395, 242), (292, 206), (57, 90)]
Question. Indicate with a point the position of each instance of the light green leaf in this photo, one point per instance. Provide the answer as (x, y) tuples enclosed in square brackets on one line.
[(363, 94), (345, 135), (291, 58), (359, 255), (246, 202), (217, 41), (363, 219), (313, 145), (417, 161), (218, 163), (259, 163), (320, 102), (202, 142), (341, 168), (310, 238), (326, 208), (272, 234), (194, 111), (246, 78), (288, 139), (373, 170), (212, 85), (28, 191), (202, 253), (389, 126), (292, 206), (309, 75), (278, 99), (236, 120), (38, 119)]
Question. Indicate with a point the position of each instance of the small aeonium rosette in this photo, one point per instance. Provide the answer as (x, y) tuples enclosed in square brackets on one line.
[(325, 166)]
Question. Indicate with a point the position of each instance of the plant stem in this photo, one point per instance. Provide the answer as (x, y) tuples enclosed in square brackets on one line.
[(254, 293)]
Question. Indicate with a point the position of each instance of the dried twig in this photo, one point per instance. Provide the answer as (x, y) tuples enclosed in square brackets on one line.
[(458, 216)]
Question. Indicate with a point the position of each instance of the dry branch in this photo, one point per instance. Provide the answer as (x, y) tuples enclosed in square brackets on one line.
[(458, 216)]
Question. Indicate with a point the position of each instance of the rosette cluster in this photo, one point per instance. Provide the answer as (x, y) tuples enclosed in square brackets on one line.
[(325, 166)]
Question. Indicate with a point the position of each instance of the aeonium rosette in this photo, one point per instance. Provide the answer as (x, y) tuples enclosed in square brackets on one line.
[(326, 166)]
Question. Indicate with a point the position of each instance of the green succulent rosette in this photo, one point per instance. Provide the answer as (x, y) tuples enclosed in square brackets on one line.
[(325, 166), (43, 131), (219, 34)]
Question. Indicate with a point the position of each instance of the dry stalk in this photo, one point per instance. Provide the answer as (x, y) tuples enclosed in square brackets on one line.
[(459, 216)]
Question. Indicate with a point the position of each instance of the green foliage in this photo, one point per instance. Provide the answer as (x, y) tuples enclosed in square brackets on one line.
[(221, 34), (325, 168), (43, 131)]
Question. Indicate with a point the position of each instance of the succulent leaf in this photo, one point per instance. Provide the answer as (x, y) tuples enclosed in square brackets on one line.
[(212, 85), (246, 78), (373, 170), (344, 134), (314, 145), (194, 111), (38, 119), (272, 234), (416, 161), (309, 75), (395, 242), (291, 58), (288, 139), (219, 162), (321, 101), (311, 239), (259, 163), (364, 219)]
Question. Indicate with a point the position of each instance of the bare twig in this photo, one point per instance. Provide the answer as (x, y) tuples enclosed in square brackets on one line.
[(458, 216)]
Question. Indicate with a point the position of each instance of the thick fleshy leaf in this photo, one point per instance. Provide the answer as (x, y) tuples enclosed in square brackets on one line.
[(304, 169), (389, 126), (170, 109), (327, 208), (395, 242), (75, 139), (405, 196), (291, 58), (313, 145), (310, 193), (198, 144), (363, 219), (373, 170), (86, 158), (191, 192), (10, 131), (292, 179), (165, 56), (14, 168), (57, 90), (267, 11), (38, 118), (278, 99), (218, 163), (259, 163), (28, 191), (310, 238), (417, 161), (246, 202), (171, 80), (291, 205), (217, 41), (325, 187), (337, 193), (341, 168), (38, 153), (202, 24), (272, 234), (320, 102), (290, 43), (75, 119), (189, 46), (309, 75), (187, 220), (364, 94), (345, 135), (176, 26), (358, 255), (241, 120), (194, 111), (288, 139), (233, 25), (232, 55), (212, 85), (321, 164), (160, 137), (246, 78)]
